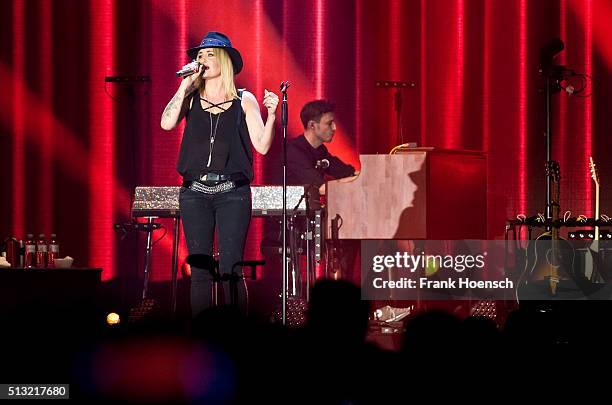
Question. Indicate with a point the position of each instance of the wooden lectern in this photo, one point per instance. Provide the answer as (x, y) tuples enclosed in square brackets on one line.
[(421, 193)]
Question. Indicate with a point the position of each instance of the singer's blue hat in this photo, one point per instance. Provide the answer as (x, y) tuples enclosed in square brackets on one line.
[(215, 39)]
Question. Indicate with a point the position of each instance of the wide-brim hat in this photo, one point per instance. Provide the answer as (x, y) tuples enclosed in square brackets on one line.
[(215, 39)]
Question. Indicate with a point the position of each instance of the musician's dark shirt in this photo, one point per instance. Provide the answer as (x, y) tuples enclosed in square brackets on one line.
[(302, 160)]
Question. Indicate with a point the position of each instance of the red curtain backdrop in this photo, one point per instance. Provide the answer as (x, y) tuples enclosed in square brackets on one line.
[(73, 149)]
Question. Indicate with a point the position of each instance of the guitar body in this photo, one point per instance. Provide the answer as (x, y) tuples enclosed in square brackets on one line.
[(546, 262), (547, 272), (550, 259), (594, 268)]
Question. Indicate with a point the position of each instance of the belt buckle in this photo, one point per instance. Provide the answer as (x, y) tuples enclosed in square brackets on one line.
[(209, 177)]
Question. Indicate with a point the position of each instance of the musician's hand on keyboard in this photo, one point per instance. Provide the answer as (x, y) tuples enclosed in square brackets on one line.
[(349, 179), (342, 180), (322, 189)]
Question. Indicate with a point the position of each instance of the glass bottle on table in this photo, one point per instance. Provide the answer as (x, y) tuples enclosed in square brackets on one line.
[(52, 251), (30, 251), (41, 251)]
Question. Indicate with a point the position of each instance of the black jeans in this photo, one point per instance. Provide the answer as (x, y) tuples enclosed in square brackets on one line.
[(231, 213)]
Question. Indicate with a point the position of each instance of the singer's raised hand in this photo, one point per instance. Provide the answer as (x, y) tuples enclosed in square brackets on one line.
[(177, 107), (190, 83), (270, 101)]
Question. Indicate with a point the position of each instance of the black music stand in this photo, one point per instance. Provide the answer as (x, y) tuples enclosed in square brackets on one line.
[(159, 202), (150, 226), (209, 263)]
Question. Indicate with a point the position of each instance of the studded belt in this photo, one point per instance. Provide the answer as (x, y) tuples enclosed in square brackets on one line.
[(214, 187)]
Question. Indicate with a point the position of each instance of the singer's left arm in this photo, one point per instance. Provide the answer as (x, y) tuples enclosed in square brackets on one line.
[(261, 135)]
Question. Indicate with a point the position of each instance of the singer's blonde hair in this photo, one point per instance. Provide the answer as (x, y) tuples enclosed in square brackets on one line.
[(227, 74)]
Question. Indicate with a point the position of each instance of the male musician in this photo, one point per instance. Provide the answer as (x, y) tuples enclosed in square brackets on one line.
[(308, 160)]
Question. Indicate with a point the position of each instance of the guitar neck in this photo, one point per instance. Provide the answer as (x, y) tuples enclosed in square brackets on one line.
[(595, 178), (596, 211), (554, 231)]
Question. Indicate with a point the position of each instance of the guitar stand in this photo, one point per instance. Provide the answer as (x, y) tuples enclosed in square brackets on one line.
[(334, 251)]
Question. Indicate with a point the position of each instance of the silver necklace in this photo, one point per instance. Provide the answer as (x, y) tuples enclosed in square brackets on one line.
[(213, 135)]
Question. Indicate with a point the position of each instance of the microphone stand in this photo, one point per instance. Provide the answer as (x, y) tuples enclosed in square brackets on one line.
[(398, 111), (284, 118), (549, 179), (552, 76), (397, 102)]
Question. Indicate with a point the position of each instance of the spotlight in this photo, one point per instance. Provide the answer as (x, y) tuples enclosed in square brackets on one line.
[(113, 319)]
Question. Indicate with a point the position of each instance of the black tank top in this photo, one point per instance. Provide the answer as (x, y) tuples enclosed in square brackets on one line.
[(231, 152)]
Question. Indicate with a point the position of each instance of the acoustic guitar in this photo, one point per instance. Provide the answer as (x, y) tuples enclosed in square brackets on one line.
[(551, 258), (592, 263)]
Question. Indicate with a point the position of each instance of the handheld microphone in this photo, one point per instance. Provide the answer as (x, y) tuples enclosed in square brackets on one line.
[(322, 164), (284, 86), (284, 107), (188, 69)]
